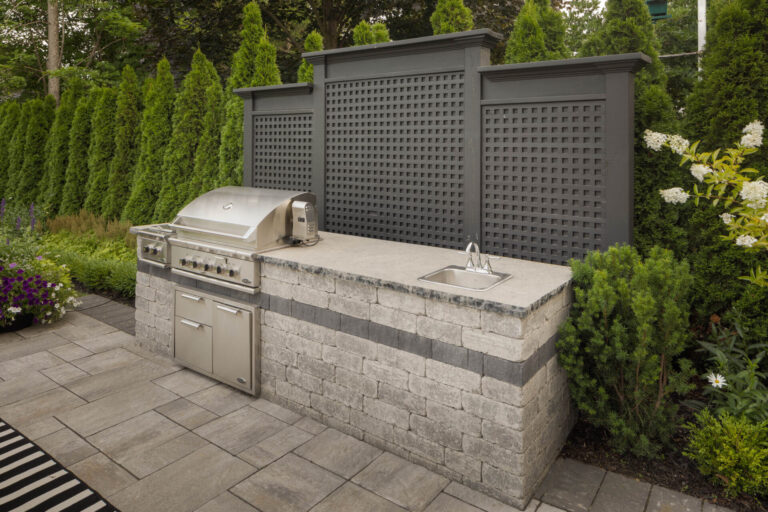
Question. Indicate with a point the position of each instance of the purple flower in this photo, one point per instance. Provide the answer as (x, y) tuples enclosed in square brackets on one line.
[(12, 265), (38, 258), (18, 223)]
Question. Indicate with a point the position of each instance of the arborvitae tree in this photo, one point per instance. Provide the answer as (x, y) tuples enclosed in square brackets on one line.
[(582, 18), (101, 149), (538, 34), (41, 113), (16, 152), (76, 176), (156, 129), (206, 169), (451, 16), (188, 115), (57, 150), (244, 59), (10, 121), (127, 118), (313, 43), (365, 33), (628, 28)]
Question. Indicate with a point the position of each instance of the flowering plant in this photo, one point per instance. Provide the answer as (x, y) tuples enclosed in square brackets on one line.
[(24, 291), (725, 181)]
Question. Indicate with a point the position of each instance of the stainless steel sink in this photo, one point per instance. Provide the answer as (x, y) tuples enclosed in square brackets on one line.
[(460, 277)]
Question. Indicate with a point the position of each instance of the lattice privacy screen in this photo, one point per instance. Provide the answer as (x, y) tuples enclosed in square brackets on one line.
[(394, 158), (543, 180), (282, 151)]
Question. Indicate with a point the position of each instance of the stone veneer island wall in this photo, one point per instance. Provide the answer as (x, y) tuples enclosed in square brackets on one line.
[(467, 388)]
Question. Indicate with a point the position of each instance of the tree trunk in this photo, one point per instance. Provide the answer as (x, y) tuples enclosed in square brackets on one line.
[(54, 57)]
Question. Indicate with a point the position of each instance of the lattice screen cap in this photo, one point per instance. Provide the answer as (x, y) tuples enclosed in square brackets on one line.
[(277, 90)]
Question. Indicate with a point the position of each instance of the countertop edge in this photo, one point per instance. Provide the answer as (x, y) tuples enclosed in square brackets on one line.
[(461, 300)]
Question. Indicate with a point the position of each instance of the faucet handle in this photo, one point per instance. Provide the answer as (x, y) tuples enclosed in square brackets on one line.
[(487, 265)]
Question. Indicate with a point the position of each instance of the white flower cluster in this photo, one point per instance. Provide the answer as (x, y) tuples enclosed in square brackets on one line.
[(753, 135), (754, 193), (15, 310), (678, 144), (727, 217), (699, 171), (746, 240), (764, 218), (674, 195), (654, 140)]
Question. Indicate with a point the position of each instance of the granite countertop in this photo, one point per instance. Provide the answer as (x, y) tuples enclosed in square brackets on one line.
[(399, 265)]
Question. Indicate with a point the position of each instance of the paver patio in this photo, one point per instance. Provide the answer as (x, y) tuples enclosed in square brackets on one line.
[(150, 435)]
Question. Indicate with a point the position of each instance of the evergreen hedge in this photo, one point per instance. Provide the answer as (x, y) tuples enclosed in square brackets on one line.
[(11, 114), (76, 176), (121, 167), (538, 34), (16, 152), (206, 168), (188, 115), (41, 113), (451, 16), (156, 130), (313, 43), (101, 149), (365, 33)]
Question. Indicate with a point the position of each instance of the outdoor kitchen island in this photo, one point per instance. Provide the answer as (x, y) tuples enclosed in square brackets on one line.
[(463, 382)]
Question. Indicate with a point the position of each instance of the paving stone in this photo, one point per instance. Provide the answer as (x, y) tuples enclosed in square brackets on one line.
[(446, 502), (480, 500), (64, 373), (106, 412), (241, 429), (353, 497), (41, 406), (571, 484), (40, 428), (545, 507), (14, 347), (70, 352), (75, 333), (90, 300), (226, 502), (186, 414), (108, 360), (186, 484), (220, 399), (667, 500), (274, 447), (400, 481), (103, 475), (291, 483), (98, 386), (619, 492), (277, 411), (338, 452), (66, 447), (146, 462), (33, 362), (185, 382), (310, 425), (711, 507), (105, 342)]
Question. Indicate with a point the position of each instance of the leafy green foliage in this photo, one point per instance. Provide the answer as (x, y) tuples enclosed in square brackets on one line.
[(76, 176), (538, 34), (582, 18), (244, 59), (127, 138), (16, 151), (101, 149), (678, 34), (451, 16), (10, 120), (365, 33), (732, 451), (206, 169), (57, 150), (41, 114), (179, 159), (156, 130), (621, 344), (313, 43)]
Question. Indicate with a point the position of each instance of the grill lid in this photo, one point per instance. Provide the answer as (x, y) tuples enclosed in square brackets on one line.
[(253, 218)]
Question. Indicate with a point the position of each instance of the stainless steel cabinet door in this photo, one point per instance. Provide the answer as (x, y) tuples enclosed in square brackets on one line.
[(232, 347), (192, 341)]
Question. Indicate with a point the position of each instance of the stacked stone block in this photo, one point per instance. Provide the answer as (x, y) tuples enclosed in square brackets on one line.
[(154, 312)]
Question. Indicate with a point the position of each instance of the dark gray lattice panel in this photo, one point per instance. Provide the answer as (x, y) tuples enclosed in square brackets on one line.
[(394, 158), (543, 180), (282, 151)]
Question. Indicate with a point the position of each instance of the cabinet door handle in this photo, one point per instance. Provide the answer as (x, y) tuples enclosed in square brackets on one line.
[(241, 380), (228, 310), (190, 323), (191, 297)]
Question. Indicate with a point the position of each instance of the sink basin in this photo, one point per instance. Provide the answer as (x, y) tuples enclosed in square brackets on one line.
[(466, 279)]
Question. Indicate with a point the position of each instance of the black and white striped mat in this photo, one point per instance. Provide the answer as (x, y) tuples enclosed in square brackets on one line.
[(30, 480)]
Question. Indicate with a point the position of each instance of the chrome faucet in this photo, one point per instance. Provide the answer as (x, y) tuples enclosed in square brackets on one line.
[(477, 266)]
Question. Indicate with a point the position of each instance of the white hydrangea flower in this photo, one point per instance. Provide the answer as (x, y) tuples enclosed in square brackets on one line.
[(674, 195), (699, 171), (678, 144), (754, 193), (753, 135), (14, 310), (764, 218), (727, 218), (754, 128), (746, 240), (654, 140)]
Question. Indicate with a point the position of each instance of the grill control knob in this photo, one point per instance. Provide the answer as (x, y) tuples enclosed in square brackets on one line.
[(194, 264), (219, 269), (206, 267), (183, 262), (145, 248), (231, 272), (154, 250)]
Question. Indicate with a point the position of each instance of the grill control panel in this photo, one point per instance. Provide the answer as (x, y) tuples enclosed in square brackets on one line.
[(233, 270), (152, 250)]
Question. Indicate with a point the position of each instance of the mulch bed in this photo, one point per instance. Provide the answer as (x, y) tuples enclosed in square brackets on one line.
[(675, 471)]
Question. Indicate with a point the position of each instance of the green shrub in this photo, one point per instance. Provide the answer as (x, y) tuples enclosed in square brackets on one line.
[(365, 33), (621, 344), (156, 129), (16, 152), (10, 121), (76, 176), (451, 16), (101, 150), (313, 43), (732, 451), (538, 34), (41, 114), (206, 169)]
